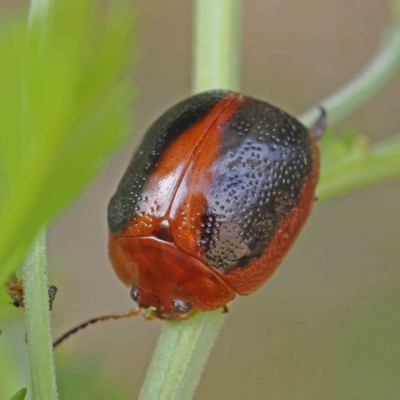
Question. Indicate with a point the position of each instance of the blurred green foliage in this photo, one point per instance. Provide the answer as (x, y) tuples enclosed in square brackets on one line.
[(87, 379), (63, 110), (13, 358), (347, 145), (349, 162)]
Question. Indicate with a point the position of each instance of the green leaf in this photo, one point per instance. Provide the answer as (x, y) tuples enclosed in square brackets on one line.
[(63, 109), (20, 395)]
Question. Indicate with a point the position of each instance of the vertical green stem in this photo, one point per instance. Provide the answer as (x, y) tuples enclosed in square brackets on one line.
[(34, 274), (183, 347), (37, 316), (180, 356), (216, 44)]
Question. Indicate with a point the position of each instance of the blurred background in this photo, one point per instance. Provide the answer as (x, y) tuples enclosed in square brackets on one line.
[(326, 326)]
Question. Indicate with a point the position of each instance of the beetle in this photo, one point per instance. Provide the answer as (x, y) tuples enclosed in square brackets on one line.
[(211, 203)]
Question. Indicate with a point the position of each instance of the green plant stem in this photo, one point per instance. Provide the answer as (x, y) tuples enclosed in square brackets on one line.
[(382, 160), (383, 66), (380, 163), (37, 317), (216, 45), (34, 274), (180, 356), (183, 347)]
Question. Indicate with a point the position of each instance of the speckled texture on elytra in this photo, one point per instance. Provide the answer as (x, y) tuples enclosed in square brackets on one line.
[(238, 178), (265, 156)]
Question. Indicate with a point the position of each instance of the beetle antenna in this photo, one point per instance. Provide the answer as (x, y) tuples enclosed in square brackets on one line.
[(92, 321), (320, 125)]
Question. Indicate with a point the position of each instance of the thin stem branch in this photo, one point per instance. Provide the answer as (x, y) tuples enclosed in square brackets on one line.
[(184, 347), (37, 317), (381, 160), (383, 66), (216, 45)]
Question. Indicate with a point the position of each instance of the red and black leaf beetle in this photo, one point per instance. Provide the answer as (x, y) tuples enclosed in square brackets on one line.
[(211, 202)]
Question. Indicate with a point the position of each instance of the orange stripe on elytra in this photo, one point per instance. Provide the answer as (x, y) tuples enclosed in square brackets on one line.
[(190, 202), (161, 187)]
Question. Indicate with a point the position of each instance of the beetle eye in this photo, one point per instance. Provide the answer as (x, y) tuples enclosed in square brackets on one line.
[(181, 306), (134, 293)]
